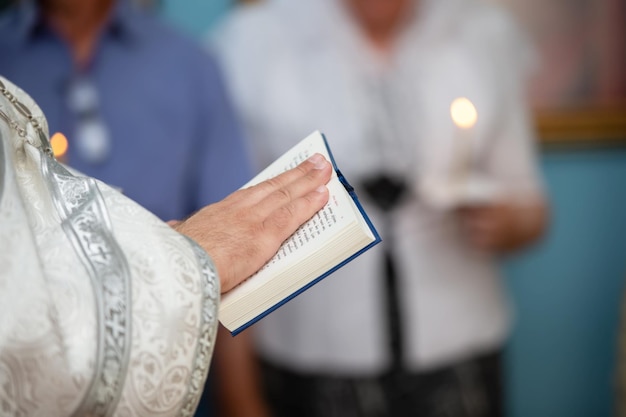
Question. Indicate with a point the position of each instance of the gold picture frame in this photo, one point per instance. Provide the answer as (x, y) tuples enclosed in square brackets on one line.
[(591, 125)]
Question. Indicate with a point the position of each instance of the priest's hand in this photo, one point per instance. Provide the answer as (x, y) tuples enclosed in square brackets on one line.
[(243, 231)]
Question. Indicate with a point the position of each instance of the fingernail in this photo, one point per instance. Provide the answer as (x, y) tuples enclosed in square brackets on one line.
[(321, 189), (318, 161)]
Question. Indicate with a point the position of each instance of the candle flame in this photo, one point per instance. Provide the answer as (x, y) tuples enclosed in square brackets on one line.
[(463, 113), (59, 144)]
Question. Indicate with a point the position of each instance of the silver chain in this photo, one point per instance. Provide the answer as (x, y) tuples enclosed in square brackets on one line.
[(24, 111)]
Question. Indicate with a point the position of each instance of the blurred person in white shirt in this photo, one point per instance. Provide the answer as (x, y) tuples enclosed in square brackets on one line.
[(378, 78)]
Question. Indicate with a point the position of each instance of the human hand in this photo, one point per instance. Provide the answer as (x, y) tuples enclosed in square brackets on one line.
[(502, 226), (243, 231)]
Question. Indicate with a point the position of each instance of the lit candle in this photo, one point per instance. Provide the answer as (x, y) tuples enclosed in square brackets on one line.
[(464, 116)]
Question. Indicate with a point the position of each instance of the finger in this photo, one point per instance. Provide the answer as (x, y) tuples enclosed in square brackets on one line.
[(483, 242), (479, 223), (477, 229), (260, 191), (293, 191), (483, 232), (285, 220)]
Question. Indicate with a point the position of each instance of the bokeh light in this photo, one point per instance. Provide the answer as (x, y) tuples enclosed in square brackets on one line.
[(59, 144), (463, 113)]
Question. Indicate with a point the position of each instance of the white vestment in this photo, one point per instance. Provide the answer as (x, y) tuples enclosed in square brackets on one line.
[(104, 309)]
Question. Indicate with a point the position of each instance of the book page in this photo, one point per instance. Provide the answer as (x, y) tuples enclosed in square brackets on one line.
[(324, 226), (312, 235), (306, 148), (321, 225)]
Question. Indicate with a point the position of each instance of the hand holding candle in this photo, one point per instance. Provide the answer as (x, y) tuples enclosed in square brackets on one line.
[(488, 223), (460, 186), (469, 187)]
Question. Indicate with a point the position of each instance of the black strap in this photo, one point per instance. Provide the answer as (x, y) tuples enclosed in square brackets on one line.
[(387, 192), (392, 306)]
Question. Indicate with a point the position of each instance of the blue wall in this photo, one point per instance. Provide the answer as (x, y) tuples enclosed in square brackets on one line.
[(194, 16), (567, 290)]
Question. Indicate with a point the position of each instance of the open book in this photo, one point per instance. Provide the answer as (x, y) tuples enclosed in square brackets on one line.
[(335, 235)]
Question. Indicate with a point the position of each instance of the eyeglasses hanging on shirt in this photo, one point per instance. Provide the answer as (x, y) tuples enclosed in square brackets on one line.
[(388, 186), (91, 136)]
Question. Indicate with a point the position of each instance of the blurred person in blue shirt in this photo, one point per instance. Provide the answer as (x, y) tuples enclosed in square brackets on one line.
[(417, 326), (143, 108)]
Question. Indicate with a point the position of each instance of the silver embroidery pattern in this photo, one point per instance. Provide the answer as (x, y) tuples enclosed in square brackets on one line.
[(208, 327), (3, 166), (109, 376), (86, 223)]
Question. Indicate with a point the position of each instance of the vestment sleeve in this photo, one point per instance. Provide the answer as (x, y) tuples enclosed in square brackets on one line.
[(104, 309)]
